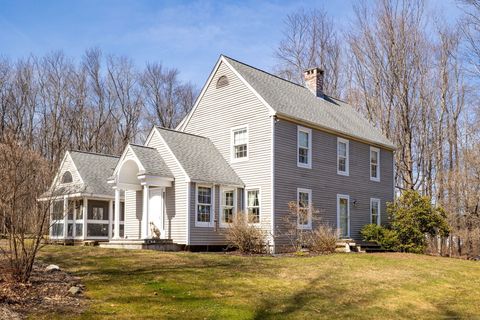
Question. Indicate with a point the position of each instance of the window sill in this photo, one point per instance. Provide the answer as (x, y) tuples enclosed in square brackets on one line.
[(304, 166), (204, 224), (302, 227), (342, 173), (375, 179), (238, 160)]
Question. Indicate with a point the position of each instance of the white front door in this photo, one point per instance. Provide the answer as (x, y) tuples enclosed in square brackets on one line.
[(155, 210)]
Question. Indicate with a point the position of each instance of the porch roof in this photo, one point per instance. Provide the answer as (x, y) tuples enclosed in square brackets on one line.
[(151, 161)]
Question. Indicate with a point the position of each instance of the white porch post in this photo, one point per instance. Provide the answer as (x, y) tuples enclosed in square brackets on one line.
[(50, 231), (145, 222), (116, 228), (65, 216), (74, 231), (110, 217), (85, 214)]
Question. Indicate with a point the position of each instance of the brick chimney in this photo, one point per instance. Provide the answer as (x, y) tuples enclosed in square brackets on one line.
[(314, 81)]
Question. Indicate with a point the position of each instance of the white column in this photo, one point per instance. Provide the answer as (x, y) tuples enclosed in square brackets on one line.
[(65, 216), (74, 219), (85, 216), (50, 231), (145, 221), (110, 218), (116, 229)]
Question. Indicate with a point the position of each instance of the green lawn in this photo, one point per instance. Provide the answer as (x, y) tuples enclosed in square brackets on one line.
[(125, 284)]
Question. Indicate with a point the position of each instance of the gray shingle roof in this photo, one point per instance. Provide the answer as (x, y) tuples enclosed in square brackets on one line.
[(151, 161), (200, 158), (295, 101), (95, 168)]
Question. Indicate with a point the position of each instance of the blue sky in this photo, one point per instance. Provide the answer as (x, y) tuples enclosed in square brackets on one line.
[(188, 35)]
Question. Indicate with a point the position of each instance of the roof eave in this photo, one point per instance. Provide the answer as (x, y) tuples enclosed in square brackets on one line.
[(329, 130)]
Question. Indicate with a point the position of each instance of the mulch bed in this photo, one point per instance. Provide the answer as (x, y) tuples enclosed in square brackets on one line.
[(46, 293)]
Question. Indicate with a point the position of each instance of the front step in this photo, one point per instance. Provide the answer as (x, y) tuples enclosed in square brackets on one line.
[(138, 244)]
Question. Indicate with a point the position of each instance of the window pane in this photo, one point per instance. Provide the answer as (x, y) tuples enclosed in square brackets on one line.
[(57, 213), (78, 230), (303, 139), (373, 156), (228, 198), (240, 151), (240, 136), (204, 195), (373, 171), (97, 230), (70, 230), (203, 213), (252, 198), (303, 155), (57, 229), (342, 165), (227, 215), (342, 149), (254, 215)]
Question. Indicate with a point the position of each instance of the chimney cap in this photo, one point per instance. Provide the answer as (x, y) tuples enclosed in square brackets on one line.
[(314, 70)]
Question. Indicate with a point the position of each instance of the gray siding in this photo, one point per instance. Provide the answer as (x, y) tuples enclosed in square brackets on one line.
[(177, 206), (324, 181), (218, 111), (133, 213)]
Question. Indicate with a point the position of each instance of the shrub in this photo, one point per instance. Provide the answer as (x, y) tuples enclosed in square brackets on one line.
[(385, 237), (323, 240), (413, 219), (246, 237)]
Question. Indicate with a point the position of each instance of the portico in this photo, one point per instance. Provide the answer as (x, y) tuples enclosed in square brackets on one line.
[(143, 178)]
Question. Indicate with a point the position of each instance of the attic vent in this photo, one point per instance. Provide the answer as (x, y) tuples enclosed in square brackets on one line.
[(222, 82), (67, 177)]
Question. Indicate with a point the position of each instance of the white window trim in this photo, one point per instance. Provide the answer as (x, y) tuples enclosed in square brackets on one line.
[(377, 150), (347, 160), (379, 218), (232, 149), (259, 204), (308, 226), (309, 131), (235, 205), (343, 196), (205, 224)]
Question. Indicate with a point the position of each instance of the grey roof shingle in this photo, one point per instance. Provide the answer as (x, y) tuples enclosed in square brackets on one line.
[(151, 161), (95, 168), (200, 158), (296, 101)]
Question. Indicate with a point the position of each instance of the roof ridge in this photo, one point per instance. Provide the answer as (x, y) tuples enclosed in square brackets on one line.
[(94, 153), (176, 131), (280, 78), (139, 145), (268, 73)]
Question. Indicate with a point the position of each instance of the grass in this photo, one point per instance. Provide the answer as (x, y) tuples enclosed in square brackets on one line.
[(125, 284)]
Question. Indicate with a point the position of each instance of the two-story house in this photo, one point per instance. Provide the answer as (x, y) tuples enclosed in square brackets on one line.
[(252, 143)]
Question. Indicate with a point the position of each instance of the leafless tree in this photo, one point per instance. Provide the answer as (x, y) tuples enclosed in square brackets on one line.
[(310, 40)]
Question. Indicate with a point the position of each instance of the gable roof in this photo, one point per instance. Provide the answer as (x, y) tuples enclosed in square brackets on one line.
[(200, 159), (151, 161), (93, 169), (297, 103)]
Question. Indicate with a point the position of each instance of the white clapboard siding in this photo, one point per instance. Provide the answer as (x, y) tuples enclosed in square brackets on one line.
[(133, 213), (176, 196), (218, 111)]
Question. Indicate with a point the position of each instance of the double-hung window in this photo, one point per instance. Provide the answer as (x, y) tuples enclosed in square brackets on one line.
[(239, 144), (342, 156), (304, 198), (304, 147), (253, 205), (204, 208), (227, 210), (374, 164), (375, 211)]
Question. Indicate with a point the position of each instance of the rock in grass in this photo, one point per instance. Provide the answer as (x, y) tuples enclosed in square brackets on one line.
[(74, 290), (52, 267)]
